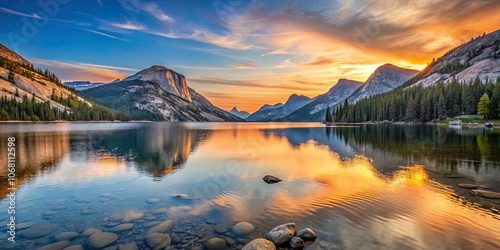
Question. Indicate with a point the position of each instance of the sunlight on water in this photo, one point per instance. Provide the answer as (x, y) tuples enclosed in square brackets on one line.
[(199, 174)]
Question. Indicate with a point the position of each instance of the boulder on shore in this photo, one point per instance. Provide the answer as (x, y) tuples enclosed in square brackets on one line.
[(307, 234), (282, 233), (269, 179), (297, 242), (259, 244)]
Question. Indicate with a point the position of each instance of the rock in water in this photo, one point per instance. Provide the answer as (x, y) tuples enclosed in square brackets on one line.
[(467, 185), (89, 231), (101, 239), (157, 241), (297, 242), (269, 179), (122, 227), (307, 234), (74, 247), (243, 228), (129, 246), (259, 244), (56, 246), (66, 236), (282, 233), (163, 227), (486, 194), (216, 244), (37, 231)]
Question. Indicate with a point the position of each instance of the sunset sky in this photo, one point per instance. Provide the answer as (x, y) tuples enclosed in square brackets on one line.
[(240, 53)]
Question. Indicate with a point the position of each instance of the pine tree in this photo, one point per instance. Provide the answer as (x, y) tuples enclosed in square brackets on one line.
[(495, 102), (328, 115), (10, 78), (483, 107), (441, 107)]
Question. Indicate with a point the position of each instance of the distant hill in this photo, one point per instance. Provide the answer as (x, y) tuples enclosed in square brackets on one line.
[(277, 111), (315, 110), (81, 85), (240, 114), (34, 94)]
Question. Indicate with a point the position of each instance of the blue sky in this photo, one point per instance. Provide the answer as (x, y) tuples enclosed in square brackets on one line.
[(235, 52)]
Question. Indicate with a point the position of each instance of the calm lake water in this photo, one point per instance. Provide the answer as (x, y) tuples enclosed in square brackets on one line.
[(359, 187)]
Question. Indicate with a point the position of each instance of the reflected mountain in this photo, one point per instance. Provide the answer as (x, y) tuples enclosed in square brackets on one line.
[(34, 152), (157, 148)]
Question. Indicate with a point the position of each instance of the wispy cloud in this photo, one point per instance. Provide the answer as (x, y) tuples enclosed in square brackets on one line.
[(81, 71), (13, 12), (249, 64), (152, 9), (321, 60), (104, 34), (127, 25)]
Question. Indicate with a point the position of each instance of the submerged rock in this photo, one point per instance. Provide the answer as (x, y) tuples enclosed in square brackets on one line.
[(467, 185), (152, 200), (297, 242), (101, 239), (269, 179), (56, 246), (282, 233), (89, 231), (159, 211), (74, 247), (259, 244), (157, 241), (24, 225), (122, 227), (307, 234), (163, 227), (243, 228), (486, 194), (66, 236), (132, 216), (216, 244), (129, 246), (37, 231)]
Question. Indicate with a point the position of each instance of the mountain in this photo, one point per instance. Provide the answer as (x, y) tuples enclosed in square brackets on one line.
[(31, 94), (81, 85), (315, 110), (169, 80), (210, 111), (241, 114), (385, 78), (277, 111), (149, 95), (12, 56), (476, 58)]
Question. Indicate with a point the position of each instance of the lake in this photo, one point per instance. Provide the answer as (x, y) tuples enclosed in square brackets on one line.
[(357, 187)]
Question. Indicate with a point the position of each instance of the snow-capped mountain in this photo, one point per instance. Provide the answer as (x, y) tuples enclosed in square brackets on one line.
[(241, 114), (277, 111), (478, 58), (169, 80), (385, 78), (315, 110)]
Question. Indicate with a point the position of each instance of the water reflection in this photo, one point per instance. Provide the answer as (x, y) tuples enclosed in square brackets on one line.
[(352, 201)]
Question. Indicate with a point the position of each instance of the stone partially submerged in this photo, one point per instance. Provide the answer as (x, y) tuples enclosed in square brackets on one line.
[(486, 194), (259, 244), (269, 179), (282, 233)]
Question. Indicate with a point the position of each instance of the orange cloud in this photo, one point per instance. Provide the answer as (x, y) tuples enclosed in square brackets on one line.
[(82, 71)]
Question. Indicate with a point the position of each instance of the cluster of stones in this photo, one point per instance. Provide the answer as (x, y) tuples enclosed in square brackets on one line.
[(285, 235)]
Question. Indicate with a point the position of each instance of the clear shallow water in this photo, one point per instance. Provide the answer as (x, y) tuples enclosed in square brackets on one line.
[(396, 196)]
